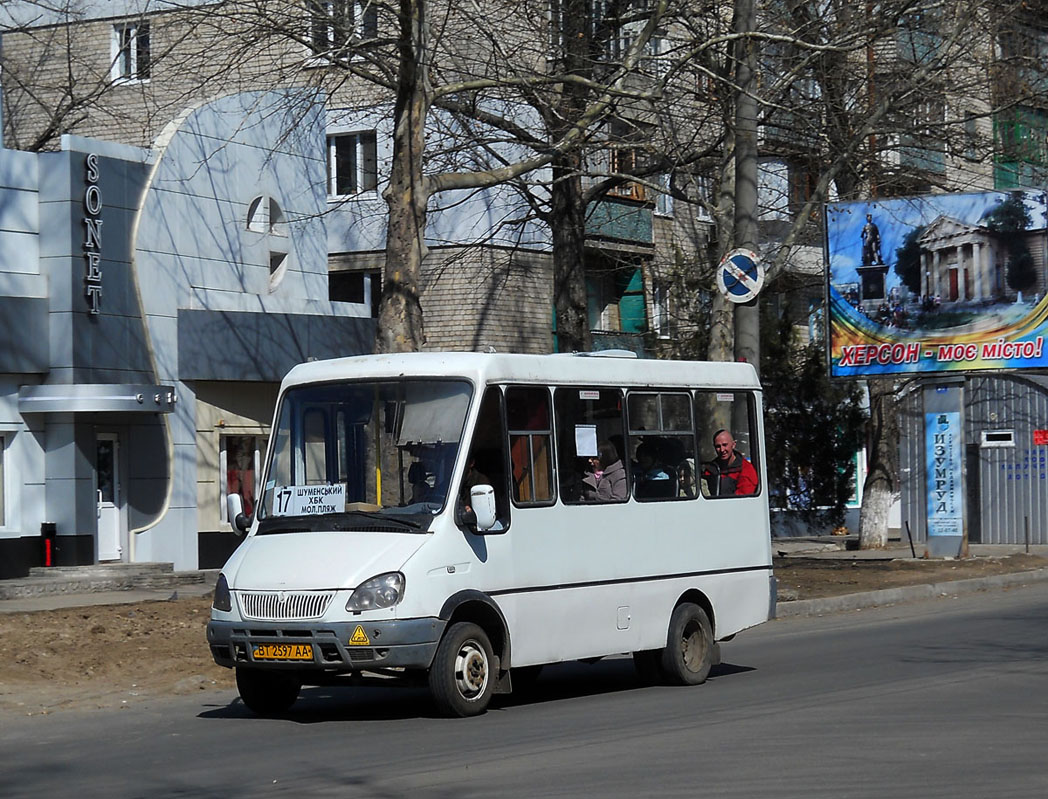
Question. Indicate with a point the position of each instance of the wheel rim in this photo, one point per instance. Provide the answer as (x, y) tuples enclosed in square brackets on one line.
[(471, 670), (693, 646)]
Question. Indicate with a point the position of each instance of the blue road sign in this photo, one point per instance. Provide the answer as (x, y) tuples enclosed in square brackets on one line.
[(740, 275)]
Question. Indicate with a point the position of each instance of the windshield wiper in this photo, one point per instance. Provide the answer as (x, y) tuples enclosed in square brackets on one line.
[(398, 518), (345, 521)]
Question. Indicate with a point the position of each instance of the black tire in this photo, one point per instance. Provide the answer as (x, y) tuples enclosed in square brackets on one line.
[(462, 676), (646, 664), (267, 693), (688, 655)]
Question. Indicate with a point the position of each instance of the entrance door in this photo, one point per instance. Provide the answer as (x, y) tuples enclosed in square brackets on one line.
[(107, 451)]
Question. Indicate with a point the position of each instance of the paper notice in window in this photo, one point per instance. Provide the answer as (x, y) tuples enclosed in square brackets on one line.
[(586, 440)]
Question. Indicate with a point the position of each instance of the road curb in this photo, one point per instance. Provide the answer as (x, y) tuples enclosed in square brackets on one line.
[(910, 593)]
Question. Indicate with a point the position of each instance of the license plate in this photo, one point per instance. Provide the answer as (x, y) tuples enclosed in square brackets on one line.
[(283, 652)]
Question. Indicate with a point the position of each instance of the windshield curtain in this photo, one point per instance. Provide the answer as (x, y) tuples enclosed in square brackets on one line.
[(365, 446)]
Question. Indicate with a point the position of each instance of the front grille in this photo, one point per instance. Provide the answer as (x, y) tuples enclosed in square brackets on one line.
[(283, 605)]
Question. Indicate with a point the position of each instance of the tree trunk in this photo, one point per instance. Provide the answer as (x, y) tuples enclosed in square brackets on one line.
[(568, 227), (882, 458), (400, 324)]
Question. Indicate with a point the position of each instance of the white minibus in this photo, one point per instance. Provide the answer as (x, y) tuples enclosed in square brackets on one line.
[(462, 519)]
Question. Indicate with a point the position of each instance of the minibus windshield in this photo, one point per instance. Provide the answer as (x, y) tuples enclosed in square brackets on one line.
[(353, 451)]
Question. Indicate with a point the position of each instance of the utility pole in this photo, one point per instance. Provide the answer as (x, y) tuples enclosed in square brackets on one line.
[(747, 315)]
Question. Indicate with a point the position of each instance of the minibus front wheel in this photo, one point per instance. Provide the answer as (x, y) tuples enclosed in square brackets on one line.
[(462, 676), (267, 693)]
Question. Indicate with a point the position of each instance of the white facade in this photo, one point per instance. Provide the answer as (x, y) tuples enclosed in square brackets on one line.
[(138, 278)]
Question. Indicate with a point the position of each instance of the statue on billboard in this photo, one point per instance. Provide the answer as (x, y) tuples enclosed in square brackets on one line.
[(871, 242)]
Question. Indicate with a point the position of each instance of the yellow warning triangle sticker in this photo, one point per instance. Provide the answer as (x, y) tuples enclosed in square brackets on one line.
[(359, 637)]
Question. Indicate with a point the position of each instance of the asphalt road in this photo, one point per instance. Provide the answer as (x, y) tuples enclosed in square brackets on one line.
[(945, 698)]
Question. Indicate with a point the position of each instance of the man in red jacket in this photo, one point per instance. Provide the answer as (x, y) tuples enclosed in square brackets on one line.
[(729, 473)]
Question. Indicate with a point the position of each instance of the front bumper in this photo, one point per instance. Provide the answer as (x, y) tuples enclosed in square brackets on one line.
[(407, 643)]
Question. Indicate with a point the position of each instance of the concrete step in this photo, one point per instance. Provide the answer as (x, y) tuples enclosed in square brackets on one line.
[(96, 578), (101, 569)]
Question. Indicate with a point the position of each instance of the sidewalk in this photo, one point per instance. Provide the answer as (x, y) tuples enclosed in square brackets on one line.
[(835, 548)]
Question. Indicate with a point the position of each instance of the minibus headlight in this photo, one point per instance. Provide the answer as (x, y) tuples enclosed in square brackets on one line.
[(222, 600), (383, 591)]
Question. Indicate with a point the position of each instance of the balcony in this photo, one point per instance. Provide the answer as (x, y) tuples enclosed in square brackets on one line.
[(620, 219)]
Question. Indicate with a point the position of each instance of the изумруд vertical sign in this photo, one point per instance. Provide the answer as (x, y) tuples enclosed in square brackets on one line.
[(943, 446)]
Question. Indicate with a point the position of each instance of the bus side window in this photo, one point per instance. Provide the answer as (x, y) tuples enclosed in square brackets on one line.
[(486, 462), (728, 444), (586, 419), (530, 445), (662, 440)]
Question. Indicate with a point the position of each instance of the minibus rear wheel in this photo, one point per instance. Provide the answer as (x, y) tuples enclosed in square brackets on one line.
[(267, 693), (461, 678), (688, 655)]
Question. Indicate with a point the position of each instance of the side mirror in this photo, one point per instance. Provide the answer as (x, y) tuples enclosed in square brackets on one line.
[(482, 500), (235, 513)]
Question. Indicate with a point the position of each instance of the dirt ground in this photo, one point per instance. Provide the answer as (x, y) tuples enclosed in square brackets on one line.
[(114, 656)]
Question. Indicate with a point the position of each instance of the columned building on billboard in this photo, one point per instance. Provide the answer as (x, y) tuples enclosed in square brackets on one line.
[(962, 262), (959, 262), (152, 301)]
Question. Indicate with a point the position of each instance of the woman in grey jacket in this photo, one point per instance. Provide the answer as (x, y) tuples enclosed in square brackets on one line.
[(607, 482)]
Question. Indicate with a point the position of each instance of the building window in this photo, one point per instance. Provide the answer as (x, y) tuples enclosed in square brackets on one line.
[(265, 216), (626, 156), (352, 163), (131, 58), (971, 137), (238, 464), (359, 287), (664, 199), (615, 299), (3, 480), (624, 161), (278, 262), (660, 309), (337, 26), (803, 186)]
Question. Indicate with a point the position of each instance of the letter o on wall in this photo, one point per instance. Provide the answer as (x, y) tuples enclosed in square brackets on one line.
[(93, 200)]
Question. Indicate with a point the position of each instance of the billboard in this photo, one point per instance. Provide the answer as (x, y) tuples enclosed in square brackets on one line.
[(938, 283)]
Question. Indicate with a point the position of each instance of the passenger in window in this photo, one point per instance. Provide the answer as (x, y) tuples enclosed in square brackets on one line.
[(686, 478), (428, 475), (729, 474), (606, 480), (652, 480), (423, 481), (473, 477)]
